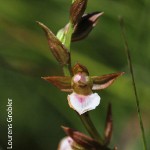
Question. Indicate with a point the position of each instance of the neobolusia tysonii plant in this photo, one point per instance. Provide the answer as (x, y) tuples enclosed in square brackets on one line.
[(77, 82)]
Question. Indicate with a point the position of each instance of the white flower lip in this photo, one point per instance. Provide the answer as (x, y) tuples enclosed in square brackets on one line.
[(83, 103), (66, 143)]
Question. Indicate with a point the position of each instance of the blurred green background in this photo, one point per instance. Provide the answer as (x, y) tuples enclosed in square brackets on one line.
[(39, 109)]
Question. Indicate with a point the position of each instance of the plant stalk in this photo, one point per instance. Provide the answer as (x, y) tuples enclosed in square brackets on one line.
[(68, 36), (133, 82), (87, 122)]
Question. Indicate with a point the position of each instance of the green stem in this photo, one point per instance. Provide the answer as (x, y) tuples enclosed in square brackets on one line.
[(66, 70), (86, 120), (68, 36), (133, 82)]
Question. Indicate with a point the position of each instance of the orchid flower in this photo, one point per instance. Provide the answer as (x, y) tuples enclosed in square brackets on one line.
[(66, 143), (79, 141), (81, 86)]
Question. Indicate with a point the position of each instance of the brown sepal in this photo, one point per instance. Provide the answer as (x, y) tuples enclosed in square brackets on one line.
[(102, 82), (59, 51), (77, 10), (61, 82), (85, 25), (79, 68), (108, 125)]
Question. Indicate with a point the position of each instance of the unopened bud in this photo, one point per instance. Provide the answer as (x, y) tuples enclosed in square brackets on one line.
[(77, 10), (59, 51), (85, 25)]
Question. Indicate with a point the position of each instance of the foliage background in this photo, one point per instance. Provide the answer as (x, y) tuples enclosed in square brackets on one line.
[(39, 109)]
